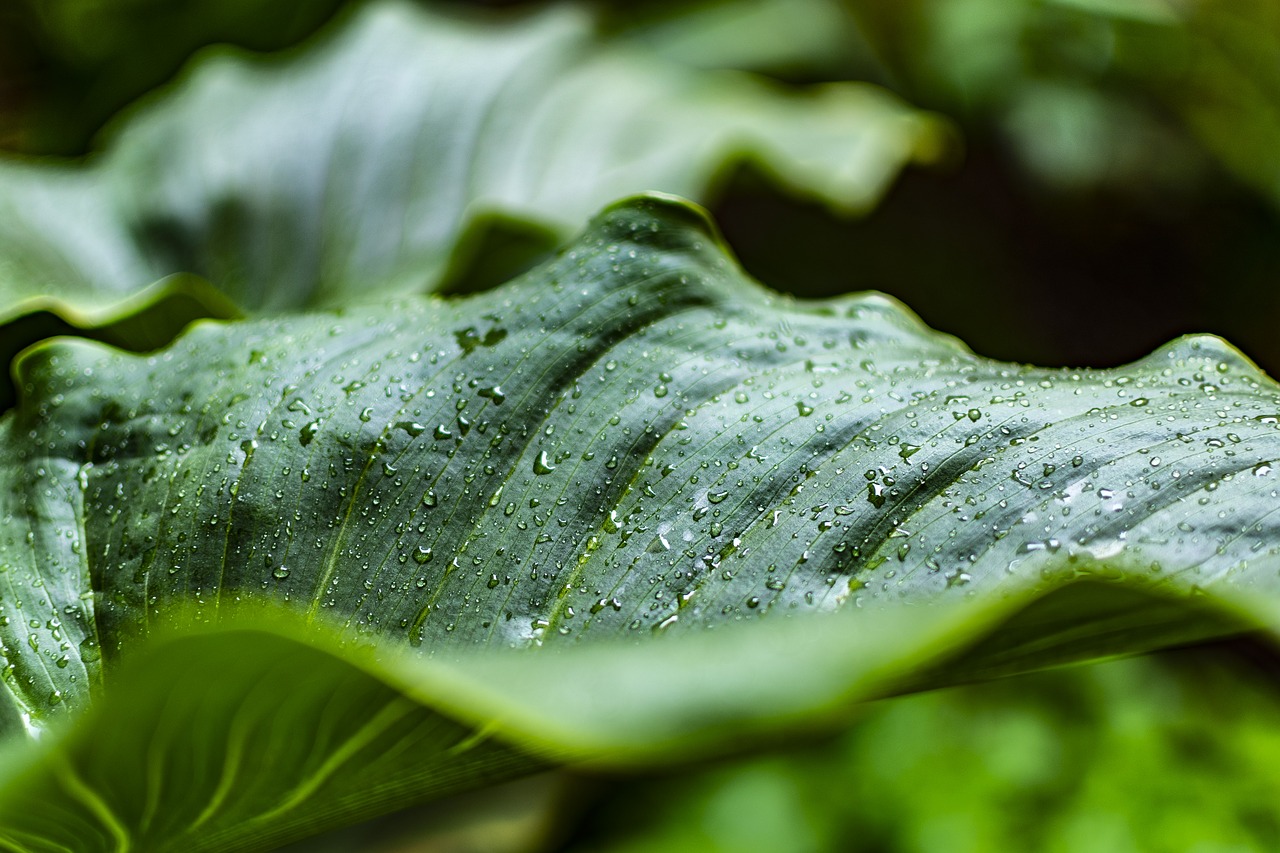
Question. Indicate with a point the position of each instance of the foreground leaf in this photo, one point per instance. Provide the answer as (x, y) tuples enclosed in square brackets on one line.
[(374, 162), (263, 730), (238, 740)]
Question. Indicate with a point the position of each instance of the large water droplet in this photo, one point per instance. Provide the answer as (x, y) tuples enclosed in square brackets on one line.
[(542, 465)]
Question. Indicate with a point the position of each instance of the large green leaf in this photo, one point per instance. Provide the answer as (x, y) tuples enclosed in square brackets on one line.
[(374, 162), (632, 439)]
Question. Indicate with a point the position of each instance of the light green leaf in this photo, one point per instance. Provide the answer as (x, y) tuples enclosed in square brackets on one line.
[(372, 163), (239, 740), (809, 38), (633, 439), (262, 729)]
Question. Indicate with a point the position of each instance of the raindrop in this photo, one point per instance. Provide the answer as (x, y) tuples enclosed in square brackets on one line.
[(308, 432), (542, 465)]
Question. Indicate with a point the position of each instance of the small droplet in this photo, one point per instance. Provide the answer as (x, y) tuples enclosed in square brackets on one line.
[(494, 394), (89, 650)]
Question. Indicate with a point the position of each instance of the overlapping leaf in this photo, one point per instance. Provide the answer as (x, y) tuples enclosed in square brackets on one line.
[(260, 730)]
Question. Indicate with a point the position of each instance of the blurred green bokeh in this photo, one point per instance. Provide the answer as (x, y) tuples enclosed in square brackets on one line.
[(1176, 753)]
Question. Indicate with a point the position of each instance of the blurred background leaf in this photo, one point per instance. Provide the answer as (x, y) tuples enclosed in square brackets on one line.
[(408, 150), (1116, 151), (1121, 154)]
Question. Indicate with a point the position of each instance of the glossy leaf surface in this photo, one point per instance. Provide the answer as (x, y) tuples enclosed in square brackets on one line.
[(632, 437)]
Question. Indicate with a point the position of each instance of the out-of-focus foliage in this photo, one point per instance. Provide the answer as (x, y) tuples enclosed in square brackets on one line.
[(370, 165), (1135, 93), (412, 150), (1173, 754), (1119, 187)]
